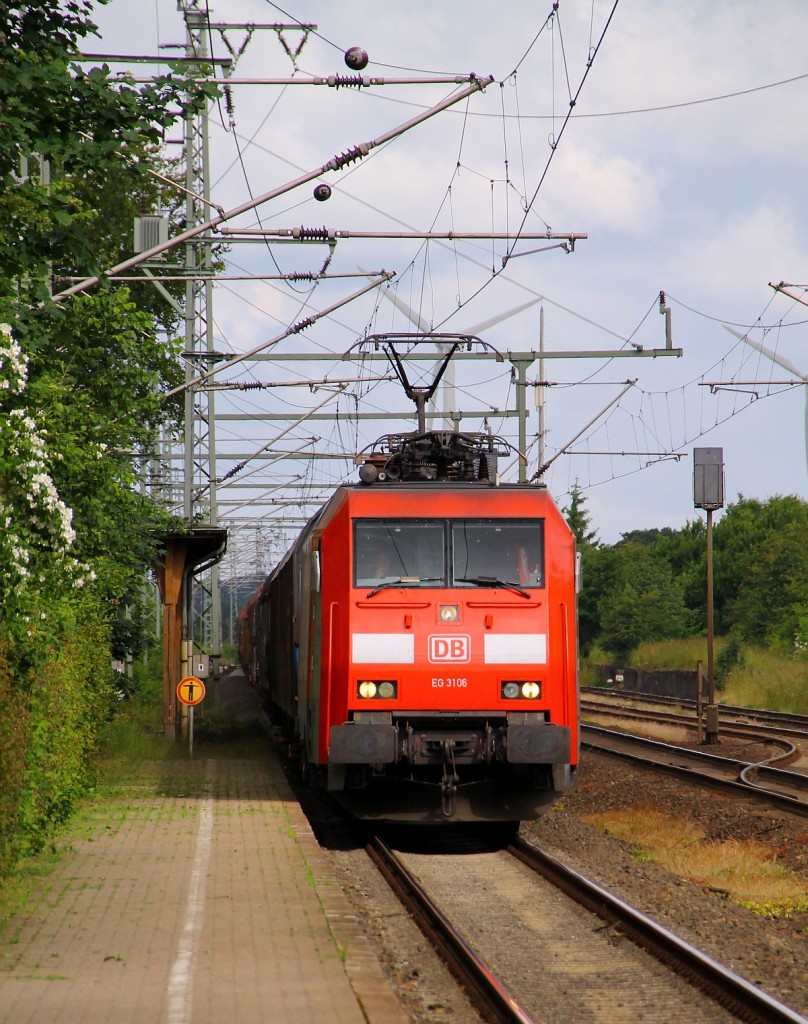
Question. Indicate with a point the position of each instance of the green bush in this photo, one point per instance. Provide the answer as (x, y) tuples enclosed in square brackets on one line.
[(768, 679), (14, 735), (53, 707), (729, 657), (136, 731), (749, 675)]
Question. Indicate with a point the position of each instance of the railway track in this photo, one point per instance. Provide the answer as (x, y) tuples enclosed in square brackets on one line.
[(784, 736), (487, 994), (526, 953), (786, 750), (777, 723), (783, 789)]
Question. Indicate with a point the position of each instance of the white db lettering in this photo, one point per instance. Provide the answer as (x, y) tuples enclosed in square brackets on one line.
[(449, 648)]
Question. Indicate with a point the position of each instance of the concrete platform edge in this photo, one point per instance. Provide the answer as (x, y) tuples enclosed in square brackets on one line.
[(373, 990)]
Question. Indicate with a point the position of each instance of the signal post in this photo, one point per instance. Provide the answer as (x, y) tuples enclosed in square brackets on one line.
[(708, 493)]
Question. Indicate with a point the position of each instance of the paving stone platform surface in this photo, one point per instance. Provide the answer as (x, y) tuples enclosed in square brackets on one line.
[(193, 891)]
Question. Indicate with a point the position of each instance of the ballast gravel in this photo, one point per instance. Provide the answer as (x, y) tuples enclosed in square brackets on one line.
[(767, 951)]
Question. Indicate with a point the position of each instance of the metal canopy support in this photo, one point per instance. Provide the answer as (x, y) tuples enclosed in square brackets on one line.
[(200, 417), (520, 367), (169, 580), (183, 554)]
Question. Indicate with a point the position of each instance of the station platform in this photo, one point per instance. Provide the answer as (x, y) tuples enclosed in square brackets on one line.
[(192, 891)]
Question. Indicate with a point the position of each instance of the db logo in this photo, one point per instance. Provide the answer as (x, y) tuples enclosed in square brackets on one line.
[(450, 648)]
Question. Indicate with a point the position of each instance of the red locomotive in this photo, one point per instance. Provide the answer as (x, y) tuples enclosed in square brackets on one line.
[(418, 643)]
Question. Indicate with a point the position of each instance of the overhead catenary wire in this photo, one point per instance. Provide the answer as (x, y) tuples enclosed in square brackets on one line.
[(341, 160), (649, 404)]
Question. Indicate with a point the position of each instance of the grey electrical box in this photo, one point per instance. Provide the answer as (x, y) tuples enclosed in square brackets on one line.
[(150, 232), (201, 665), (708, 478)]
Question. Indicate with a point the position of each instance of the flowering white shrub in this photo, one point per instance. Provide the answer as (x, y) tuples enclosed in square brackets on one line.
[(37, 527)]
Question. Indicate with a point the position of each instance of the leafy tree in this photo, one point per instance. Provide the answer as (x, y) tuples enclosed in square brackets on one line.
[(37, 536), (115, 372), (80, 385), (685, 551), (74, 169), (647, 538), (598, 568), (579, 519), (587, 544), (652, 584), (643, 601), (77, 148), (761, 569)]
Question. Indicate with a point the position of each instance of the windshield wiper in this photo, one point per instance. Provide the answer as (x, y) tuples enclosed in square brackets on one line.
[(405, 581), (492, 581)]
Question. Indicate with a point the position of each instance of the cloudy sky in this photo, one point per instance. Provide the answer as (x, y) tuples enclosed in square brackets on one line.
[(683, 163)]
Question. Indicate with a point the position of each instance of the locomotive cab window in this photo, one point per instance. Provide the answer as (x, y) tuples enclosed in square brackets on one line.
[(409, 550), (511, 551)]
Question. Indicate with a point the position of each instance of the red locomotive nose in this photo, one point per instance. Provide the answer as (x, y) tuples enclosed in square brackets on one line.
[(419, 642)]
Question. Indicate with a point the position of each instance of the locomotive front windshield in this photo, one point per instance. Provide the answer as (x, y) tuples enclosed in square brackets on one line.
[(456, 553), (389, 550), (492, 549)]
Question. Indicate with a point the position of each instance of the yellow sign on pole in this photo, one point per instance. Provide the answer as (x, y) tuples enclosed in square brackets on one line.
[(190, 691)]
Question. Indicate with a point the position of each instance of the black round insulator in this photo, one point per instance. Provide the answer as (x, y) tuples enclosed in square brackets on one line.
[(368, 473), (356, 58), (322, 192)]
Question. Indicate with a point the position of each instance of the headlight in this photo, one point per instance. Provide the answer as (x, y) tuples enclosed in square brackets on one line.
[(449, 612), (382, 689), (527, 689)]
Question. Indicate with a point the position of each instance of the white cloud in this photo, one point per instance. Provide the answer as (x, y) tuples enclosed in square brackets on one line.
[(742, 254), (605, 190)]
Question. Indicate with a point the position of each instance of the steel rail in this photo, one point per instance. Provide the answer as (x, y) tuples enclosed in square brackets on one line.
[(742, 731), (787, 723), (488, 995), (739, 996), (759, 775), (738, 788)]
